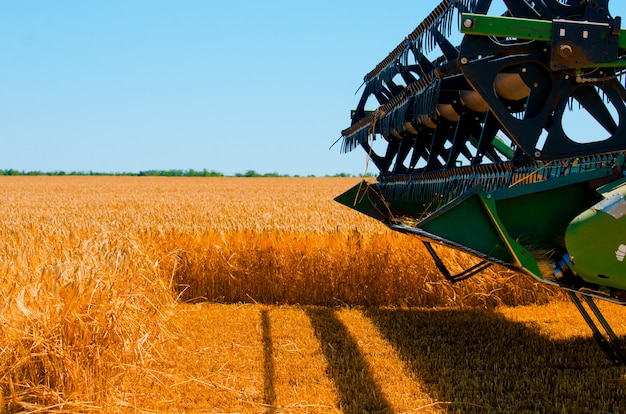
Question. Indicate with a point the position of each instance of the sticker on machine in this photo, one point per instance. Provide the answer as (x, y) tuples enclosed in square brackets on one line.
[(620, 254)]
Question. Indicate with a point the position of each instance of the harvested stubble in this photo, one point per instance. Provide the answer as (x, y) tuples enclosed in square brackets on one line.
[(92, 268), (306, 359)]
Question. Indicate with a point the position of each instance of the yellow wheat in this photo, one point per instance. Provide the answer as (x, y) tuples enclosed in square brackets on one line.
[(91, 269)]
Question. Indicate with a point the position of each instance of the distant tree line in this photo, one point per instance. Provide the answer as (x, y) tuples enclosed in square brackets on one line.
[(180, 173), (161, 173), (252, 173), (12, 171)]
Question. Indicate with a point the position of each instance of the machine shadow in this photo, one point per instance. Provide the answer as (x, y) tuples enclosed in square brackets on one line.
[(269, 392), (358, 391), (479, 361)]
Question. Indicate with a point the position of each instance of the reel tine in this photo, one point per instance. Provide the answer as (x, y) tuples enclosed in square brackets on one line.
[(424, 37)]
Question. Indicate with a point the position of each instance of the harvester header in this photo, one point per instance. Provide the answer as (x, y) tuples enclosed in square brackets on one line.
[(481, 145)]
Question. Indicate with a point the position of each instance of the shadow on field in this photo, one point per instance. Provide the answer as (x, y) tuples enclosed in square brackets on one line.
[(478, 361), (269, 392), (358, 391)]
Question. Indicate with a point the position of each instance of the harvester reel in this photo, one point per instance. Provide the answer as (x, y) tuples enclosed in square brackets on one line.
[(528, 97)]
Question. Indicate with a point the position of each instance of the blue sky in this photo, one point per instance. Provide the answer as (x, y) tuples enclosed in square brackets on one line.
[(228, 86)]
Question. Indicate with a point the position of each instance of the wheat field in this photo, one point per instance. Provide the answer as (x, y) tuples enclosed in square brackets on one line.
[(143, 294)]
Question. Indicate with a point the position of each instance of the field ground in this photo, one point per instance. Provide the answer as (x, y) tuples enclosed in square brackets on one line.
[(210, 295), (257, 358)]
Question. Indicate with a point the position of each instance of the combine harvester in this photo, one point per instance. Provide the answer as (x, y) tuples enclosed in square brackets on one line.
[(476, 152)]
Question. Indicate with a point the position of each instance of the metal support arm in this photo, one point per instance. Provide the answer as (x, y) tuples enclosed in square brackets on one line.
[(466, 274)]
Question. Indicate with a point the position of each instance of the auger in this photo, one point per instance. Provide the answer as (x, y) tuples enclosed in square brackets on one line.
[(478, 153)]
